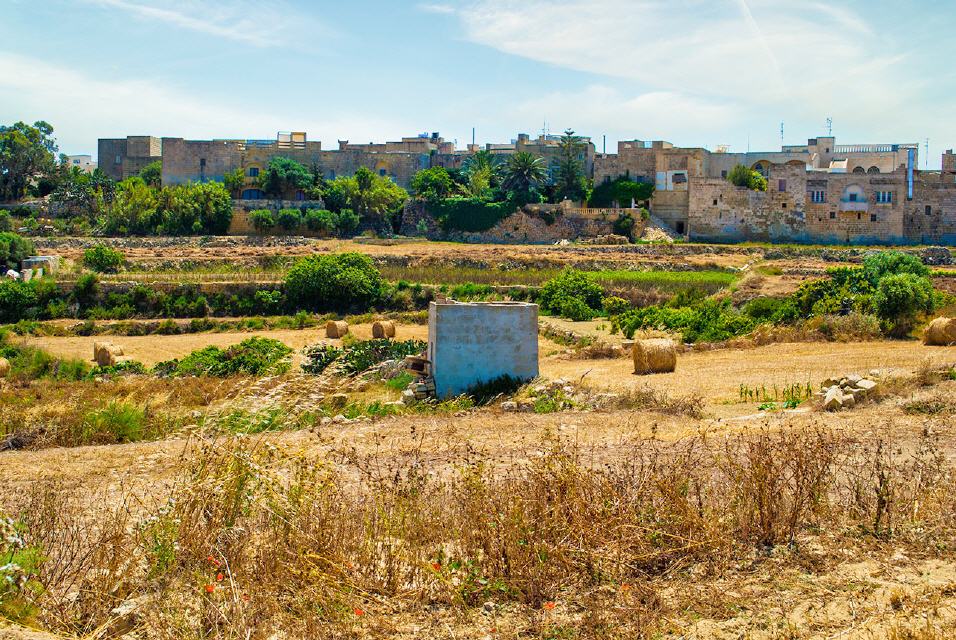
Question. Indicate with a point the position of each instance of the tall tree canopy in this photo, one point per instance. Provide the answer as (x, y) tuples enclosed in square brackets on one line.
[(524, 174), (27, 153), (569, 179)]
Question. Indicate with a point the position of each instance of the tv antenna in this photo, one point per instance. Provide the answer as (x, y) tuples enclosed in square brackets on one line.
[(781, 134), (829, 126), (926, 159)]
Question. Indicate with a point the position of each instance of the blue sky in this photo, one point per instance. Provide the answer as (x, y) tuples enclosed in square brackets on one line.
[(695, 72)]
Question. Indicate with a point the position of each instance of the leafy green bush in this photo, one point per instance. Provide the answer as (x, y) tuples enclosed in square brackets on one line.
[(253, 356), (103, 259), (320, 221), (127, 368), (261, 220), (614, 306), (707, 321), (32, 363), (17, 299), (432, 184), (741, 176), (361, 355), (334, 282), (624, 224), (900, 299), (470, 214), (883, 263), (318, 357), (14, 249), (765, 309), (20, 565), (571, 294), (289, 219)]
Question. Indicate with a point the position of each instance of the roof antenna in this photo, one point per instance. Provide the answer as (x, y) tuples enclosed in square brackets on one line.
[(829, 126)]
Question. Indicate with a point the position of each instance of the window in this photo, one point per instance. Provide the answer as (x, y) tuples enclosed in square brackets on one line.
[(853, 197), (884, 197), (118, 160), (872, 217), (784, 205), (381, 172), (715, 202), (253, 172), (832, 215), (300, 195), (929, 210), (680, 228), (859, 216), (781, 185), (76, 161), (723, 174), (818, 196)]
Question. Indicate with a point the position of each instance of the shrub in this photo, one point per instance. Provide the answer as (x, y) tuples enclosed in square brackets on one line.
[(883, 263), (575, 309), (261, 220), (361, 355), (253, 356), (900, 299), (103, 259), (334, 282), (557, 294), (765, 309), (741, 176), (18, 299), (129, 367), (6, 223), (289, 219), (13, 249), (432, 184), (320, 221), (317, 357), (614, 306), (470, 214), (707, 321), (624, 225)]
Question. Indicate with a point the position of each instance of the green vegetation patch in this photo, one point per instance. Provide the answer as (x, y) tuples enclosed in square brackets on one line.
[(254, 356), (470, 214)]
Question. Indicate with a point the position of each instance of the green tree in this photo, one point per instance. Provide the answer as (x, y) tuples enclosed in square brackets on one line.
[(620, 192), (289, 219), (14, 249), (27, 153), (234, 181), (152, 174), (524, 174), (284, 176), (483, 174), (214, 207), (262, 220), (337, 282), (570, 182), (432, 184), (134, 209), (900, 300), (82, 193), (573, 295), (103, 259)]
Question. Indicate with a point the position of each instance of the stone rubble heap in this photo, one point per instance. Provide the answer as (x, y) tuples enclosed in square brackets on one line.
[(845, 392)]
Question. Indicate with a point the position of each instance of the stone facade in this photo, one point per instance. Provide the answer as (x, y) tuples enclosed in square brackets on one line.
[(121, 158)]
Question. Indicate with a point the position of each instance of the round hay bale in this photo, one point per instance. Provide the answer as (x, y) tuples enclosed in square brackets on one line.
[(383, 329), (657, 355), (941, 332), (4, 367), (108, 354), (97, 347), (336, 328)]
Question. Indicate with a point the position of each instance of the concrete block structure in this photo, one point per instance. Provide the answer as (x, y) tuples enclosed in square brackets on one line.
[(474, 342), (121, 158)]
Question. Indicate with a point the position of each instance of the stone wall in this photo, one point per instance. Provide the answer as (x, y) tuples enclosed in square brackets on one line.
[(528, 225), (470, 343)]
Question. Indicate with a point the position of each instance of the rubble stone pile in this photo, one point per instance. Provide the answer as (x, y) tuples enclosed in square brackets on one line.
[(845, 392)]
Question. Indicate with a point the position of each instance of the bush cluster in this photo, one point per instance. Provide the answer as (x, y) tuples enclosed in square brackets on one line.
[(253, 356), (470, 214), (336, 282), (13, 250), (572, 295), (103, 259)]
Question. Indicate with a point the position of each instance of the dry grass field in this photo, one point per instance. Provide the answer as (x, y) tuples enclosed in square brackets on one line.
[(682, 508)]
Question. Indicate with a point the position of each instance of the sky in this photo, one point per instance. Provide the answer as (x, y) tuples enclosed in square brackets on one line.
[(693, 72)]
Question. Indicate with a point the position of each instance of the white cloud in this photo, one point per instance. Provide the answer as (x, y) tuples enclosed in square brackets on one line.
[(443, 9), (83, 108), (267, 23)]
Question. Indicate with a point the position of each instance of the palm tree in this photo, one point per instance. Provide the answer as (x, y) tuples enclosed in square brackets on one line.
[(524, 173), (483, 161)]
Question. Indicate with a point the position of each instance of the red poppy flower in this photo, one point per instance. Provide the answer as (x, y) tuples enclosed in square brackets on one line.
[(219, 577), (625, 587), (549, 605), (436, 566), (210, 588), (358, 611)]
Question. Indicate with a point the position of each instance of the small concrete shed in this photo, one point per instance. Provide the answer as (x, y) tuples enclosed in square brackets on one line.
[(474, 342)]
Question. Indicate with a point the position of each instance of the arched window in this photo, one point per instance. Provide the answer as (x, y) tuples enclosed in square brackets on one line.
[(859, 170), (252, 194), (873, 169), (253, 172)]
